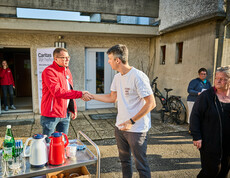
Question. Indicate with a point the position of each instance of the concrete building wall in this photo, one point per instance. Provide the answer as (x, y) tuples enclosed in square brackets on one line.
[(198, 51), (146, 8), (76, 45), (226, 54), (177, 12)]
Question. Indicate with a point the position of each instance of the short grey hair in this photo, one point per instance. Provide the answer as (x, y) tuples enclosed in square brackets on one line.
[(119, 51), (58, 50), (224, 69)]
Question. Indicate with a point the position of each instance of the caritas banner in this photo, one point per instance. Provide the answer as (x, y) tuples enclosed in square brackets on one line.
[(44, 59)]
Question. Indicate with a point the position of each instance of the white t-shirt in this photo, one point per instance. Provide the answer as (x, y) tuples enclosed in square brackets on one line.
[(131, 89)]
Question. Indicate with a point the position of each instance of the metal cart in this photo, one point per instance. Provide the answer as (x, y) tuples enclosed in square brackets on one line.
[(83, 158)]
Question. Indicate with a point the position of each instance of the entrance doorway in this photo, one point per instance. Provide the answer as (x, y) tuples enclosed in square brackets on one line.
[(18, 60), (99, 76)]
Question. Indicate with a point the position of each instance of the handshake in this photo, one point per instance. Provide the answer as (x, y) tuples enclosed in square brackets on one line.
[(86, 96)]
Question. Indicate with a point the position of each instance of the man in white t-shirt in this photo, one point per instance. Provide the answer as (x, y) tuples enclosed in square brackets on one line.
[(131, 89)]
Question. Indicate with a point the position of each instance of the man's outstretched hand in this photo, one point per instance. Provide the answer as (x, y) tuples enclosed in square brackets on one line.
[(86, 96)]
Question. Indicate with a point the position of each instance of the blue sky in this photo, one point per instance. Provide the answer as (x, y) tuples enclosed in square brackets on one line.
[(50, 14)]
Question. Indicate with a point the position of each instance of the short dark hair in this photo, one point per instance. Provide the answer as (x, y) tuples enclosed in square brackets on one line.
[(119, 51), (58, 50), (6, 62), (202, 70)]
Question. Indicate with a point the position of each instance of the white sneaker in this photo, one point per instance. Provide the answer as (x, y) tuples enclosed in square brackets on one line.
[(12, 107)]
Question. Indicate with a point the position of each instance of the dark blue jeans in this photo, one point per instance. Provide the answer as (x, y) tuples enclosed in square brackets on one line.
[(136, 143), (10, 89), (50, 124)]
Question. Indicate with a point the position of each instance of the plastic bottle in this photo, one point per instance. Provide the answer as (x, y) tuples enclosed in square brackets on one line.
[(8, 144)]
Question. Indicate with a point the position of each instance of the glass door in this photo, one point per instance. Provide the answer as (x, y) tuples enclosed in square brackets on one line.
[(99, 76)]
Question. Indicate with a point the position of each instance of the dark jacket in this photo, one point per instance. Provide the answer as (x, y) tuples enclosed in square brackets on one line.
[(196, 86), (205, 121)]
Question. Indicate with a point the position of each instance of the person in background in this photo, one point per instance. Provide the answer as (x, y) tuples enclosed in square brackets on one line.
[(195, 87), (131, 88), (58, 95), (7, 85), (209, 126)]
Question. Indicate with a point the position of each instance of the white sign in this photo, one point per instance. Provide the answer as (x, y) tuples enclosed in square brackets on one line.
[(44, 59)]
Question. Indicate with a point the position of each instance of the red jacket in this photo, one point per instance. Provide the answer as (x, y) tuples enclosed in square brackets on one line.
[(6, 77), (55, 92)]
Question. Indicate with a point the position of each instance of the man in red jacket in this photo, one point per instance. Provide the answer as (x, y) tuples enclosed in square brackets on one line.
[(58, 95)]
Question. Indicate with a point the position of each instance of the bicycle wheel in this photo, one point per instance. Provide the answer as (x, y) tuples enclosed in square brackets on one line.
[(166, 117), (162, 115), (177, 110)]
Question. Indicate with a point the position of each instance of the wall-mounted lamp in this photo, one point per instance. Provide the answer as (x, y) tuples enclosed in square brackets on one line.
[(59, 43)]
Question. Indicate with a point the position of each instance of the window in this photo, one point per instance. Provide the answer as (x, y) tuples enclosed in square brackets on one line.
[(179, 52), (100, 72), (162, 55)]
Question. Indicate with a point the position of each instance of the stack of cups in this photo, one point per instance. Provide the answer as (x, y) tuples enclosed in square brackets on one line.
[(71, 151)]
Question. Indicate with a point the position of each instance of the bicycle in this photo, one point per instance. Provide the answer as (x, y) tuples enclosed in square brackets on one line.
[(171, 105)]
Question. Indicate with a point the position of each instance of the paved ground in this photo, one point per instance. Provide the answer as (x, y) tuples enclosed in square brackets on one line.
[(170, 150)]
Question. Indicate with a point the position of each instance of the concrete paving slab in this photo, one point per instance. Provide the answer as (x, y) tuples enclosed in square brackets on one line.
[(36, 124), (17, 122), (100, 111), (87, 112), (105, 134), (71, 134), (79, 117), (26, 116), (81, 122), (154, 130), (112, 122), (93, 135), (24, 128), (36, 131), (99, 126), (8, 117), (114, 110), (77, 127), (164, 128), (103, 116), (80, 113), (22, 132), (2, 132)]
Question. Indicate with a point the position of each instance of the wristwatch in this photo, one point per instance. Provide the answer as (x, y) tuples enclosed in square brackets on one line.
[(132, 121)]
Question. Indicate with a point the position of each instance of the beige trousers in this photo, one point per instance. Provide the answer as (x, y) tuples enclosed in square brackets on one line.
[(190, 106)]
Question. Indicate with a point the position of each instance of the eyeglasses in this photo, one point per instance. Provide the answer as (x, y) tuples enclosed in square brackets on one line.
[(221, 79), (203, 74), (64, 58)]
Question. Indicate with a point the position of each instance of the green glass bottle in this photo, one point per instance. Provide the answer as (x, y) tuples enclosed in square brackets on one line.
[(9, 144)]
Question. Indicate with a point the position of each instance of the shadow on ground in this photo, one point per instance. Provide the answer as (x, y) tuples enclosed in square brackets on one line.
[(166, 152)]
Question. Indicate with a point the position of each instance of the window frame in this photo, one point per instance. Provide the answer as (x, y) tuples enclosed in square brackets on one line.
[(179, 52), (162, 54)]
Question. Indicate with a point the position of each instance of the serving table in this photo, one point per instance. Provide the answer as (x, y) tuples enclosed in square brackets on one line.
[(83, 158)]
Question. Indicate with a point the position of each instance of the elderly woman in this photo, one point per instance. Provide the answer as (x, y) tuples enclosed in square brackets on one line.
[(210, 126)]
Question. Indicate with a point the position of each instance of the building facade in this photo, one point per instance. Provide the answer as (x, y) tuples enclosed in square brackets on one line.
[(190, 36)]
